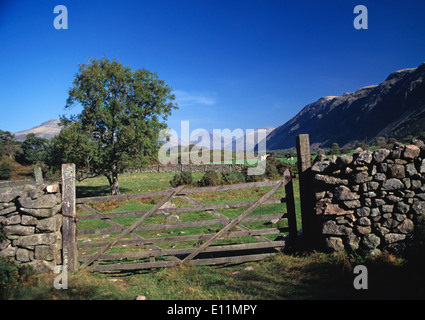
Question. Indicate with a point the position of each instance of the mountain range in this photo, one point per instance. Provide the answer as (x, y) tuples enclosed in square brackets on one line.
[(202, 138), (212, 140), (394, 108)]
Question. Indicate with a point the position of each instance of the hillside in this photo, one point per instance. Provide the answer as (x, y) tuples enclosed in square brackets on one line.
[(394, 108), (47, 129)]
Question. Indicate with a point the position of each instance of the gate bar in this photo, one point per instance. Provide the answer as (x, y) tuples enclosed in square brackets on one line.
[(237, 220), (134, 225)]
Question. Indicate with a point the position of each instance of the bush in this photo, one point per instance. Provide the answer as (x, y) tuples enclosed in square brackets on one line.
[(279, 165), (251, 178), (210, 179), (8, 272), (271, 171), (233, 177), (274, 170), (12, 278), (334, 149), (5, 170), (182, 178)]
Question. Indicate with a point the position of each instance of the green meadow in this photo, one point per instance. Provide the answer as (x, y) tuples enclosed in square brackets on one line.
[(287, 275)]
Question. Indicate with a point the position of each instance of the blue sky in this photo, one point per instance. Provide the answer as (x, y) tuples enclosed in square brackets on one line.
[(232, 64)]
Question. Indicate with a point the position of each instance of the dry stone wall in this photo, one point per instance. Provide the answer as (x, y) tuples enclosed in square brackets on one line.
[(189, 167), (371, 201), (30, 226)]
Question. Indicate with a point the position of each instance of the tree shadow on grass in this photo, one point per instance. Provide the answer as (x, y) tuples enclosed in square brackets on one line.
[(96, 191)]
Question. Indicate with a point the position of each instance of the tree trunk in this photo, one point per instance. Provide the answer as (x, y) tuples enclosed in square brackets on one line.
[(113, 184)]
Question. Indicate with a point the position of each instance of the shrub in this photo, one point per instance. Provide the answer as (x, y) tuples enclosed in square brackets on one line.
[(334, 149), (279, 165), (251, 178), (182, 178), (8, 273), (271, 171), (274, 170), (233, 177), (210, 179), (5, 170), (12, 278)]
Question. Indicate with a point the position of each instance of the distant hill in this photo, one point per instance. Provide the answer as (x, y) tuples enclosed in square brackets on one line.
[(210, 140), (47, 129), (202, 138), (394, 108), (250, 137)]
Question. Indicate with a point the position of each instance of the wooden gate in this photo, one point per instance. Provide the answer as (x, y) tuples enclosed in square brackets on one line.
[(137, 246)]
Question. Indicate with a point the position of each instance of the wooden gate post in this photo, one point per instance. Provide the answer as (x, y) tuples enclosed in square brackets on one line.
[(306, 194), (69, 226), (290, 208)]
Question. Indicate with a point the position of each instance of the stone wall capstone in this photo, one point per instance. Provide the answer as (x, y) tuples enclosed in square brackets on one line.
[(30, 226), (370, 201)]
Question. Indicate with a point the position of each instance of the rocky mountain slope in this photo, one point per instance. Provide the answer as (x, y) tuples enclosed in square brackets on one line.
[(47, 129), (394, 108)]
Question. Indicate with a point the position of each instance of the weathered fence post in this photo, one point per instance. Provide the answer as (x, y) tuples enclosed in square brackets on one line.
[(69, 226), (306, 194), (38, 175)]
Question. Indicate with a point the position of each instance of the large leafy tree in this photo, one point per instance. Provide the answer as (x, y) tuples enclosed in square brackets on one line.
[(123, 112), (34, 149)]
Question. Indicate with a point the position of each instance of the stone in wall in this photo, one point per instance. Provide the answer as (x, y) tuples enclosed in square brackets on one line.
[(371, 201), (30, 223)]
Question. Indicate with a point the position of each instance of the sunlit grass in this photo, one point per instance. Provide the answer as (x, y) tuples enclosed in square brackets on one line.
[(147, 182), (279, 277)]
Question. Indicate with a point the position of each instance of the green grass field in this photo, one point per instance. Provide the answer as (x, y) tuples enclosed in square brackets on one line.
[(145, 182), (286, 275)]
